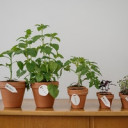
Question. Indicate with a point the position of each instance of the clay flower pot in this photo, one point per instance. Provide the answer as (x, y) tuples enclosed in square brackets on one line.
[(12, 100), (43, 101), (81, 92), (108, 95), (124, 100)]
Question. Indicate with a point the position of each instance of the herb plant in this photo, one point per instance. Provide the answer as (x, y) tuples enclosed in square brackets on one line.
[(85, 70), (42, 62), (124, 85), (9, 54)]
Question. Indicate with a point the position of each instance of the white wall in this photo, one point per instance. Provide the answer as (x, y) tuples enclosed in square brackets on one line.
[(94, 29)]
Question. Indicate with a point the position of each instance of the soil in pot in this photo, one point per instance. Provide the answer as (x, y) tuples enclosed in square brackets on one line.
[(10, 99), (43, 101), (109, 97), (124, 100), (77, 96)]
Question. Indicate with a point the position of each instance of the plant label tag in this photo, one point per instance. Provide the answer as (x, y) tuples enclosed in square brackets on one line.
[(43, 90), (10, 88), (105, 101), (75, 99), (126, 98)]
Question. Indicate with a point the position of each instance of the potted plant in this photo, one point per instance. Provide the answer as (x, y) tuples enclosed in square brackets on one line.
[(12, 91), (42, 64), (105, 98), (85, 70), (124, 92)]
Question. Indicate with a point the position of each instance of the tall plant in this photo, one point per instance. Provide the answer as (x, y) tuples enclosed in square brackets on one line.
[(43, 62), (9, 54)]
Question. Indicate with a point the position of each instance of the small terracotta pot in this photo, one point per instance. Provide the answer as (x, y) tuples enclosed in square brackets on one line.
[(81, 92), (109, 96), (124, 101), (43, 101), (12, 100)]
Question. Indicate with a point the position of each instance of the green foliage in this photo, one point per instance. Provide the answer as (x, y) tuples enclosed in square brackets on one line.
[(48, 66), (53, 90), (9, 54), (123, 85), (85, 70)]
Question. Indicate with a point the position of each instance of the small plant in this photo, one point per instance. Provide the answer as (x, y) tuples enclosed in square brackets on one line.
[(9, 56), (105, 86), (85, 70), (123, 85), (42, 62)]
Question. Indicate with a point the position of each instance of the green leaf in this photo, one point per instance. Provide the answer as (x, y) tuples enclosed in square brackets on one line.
[(20, 73), (43, 68), (79, 68), (32, 52), (41, 26), (46, 50), (1, 55), (1, 65), (57, 38), (28, 33), (59, 55), (30, 66), (20, 65), (39, 77), (53, 90), (53, 66), (37, 37), (55, 46), (22, 45)]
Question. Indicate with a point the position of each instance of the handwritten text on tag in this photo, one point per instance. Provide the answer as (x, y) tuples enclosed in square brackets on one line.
[(105, 101), (75, 99), (10, 88), (43, 90)]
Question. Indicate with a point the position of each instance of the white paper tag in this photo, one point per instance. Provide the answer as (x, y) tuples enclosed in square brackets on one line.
[(105, 101), (43, 90), (126, 98), (75, 99), (10, 88)]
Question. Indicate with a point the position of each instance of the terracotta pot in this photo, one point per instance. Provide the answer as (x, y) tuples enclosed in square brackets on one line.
[(12, 100), (43, 101), (124, 101), (81, 92), (109, 96)]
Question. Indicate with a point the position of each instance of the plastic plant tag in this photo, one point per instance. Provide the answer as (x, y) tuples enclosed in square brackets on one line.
[(126, 98), (105, 101), (43, 90), (10, 88), (75, 99)]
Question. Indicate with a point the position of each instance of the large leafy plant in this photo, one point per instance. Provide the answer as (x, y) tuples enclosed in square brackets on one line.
[(8, 55), (85, 70), (42, 62), (124, 85)]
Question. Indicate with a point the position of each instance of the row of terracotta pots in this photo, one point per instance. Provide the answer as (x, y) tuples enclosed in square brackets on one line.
[(15, 99)]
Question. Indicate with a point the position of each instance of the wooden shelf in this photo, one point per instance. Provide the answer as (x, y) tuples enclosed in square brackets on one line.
[(62, 108), (62, 116)]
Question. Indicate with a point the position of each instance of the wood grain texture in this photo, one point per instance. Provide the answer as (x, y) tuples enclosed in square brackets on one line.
[(11, 122), (110, 122), (56, 122)]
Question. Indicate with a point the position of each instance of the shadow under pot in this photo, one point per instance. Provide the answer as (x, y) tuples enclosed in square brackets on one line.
[(77, 96), (42, 98), (105, 99), (12, 93), (124, 100)]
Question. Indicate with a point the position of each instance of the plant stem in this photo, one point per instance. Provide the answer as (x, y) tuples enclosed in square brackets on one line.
[(10, 67), (79, 80)]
